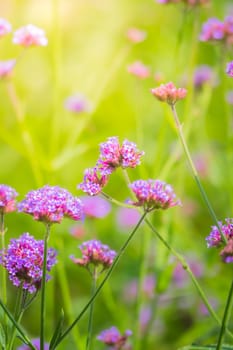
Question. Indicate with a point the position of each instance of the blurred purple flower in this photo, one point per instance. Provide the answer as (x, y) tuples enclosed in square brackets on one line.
[(23, 259), (51, 204), (136, 35), (78, 230), (7, 199), (112, 337), (127, 217), (5, 27), (95, 207), (113, 155), (180, 275), (148, 288), (229, 97), (153, 194), (169, 93), (95, 254), (93, 181), (214, 239), (203, 74), (30, 35), (213, 29), (229, 69), (78, 104), (36, 343), (145, 317), (139, 70), (6, 67)]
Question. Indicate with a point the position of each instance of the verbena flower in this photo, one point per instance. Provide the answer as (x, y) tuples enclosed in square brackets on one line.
[(139, 70), (23, 259), (169, 93), (5, 27), (6, 67), (114, 155), (127, 217), (95, 254), (229, 69), (154, 194), (95, 207), (36, 343), (114, 338), (213, 29), (7, 199), (214, 239), (30, 35), (136, 35), (51, 204), (203, 74), (93, 181), (78, 104)]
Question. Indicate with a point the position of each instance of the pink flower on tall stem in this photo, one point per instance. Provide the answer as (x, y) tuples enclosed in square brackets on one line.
[(30, 35), (5, 27), (169, 93)]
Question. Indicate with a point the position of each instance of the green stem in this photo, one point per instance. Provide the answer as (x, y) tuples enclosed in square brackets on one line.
[(226, 316), (186, 267), (108, 274), (90, 321), (43, 283), (194, 171)]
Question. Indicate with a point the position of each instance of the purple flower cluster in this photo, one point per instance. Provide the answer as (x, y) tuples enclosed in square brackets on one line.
[(154, 194), (7, 199), (216, 30), (23, 259), (96, 254), (50, 204), (36, 343), (112, 156), (113, 338)]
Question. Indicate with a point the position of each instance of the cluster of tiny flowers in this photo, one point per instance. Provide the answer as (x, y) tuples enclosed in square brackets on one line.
[(136, 35), (5, 27), (30, 35), (215, 240), (78, 104), (95, 254), (35, 343), (23, 259), (51, 204), (139, 70), (112, 156), (7, 199), (216, 30), (113, 338), (153, 194), (169, 93), (93, 181)]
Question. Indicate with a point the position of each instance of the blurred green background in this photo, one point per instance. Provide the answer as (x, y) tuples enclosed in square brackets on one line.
[(43, 143)]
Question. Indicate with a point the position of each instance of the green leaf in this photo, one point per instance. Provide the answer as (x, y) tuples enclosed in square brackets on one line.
[(57, 332), (2, 337)]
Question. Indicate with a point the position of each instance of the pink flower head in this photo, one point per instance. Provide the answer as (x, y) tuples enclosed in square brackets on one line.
[(51, 204), (36, 343), (153, 194), (6, 67), (113, 155), (139, 70), (5, 27), (78, 104), (213, 29), (30, 35), (112, 337), (168, 1), (214, 239), (229, 69), (23, 259), (7, 199), (169, 93), (95, 207), (95, 254), (93, 182), (136, 35)]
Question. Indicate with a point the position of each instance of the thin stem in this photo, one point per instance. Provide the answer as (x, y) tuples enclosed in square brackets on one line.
[(226, 316), (194, 171), (108, 274), (90, 321), (186, 267), (43, 283)]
